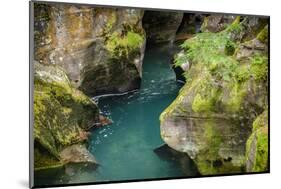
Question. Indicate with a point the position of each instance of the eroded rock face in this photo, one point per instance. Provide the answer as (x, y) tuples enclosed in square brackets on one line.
[(100, 49), (161, 26), (62, 114), (211, 119)]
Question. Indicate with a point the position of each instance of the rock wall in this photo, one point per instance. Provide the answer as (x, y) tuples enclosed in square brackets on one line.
[(101, 49), (190, 25), (161, 26), (225, 90)]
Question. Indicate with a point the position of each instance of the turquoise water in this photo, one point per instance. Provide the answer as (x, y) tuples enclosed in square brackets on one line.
[(124, 150)]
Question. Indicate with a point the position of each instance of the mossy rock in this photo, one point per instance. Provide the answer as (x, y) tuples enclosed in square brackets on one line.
[(211, 118), (102, 36), (263, 35), (259, 67), (43, 159), (61, 112), (115, 65), (257, 145), (216, 23), (230, 48), (122, 45)]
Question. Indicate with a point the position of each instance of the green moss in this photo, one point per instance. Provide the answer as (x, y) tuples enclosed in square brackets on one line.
[(213, 139), (262, 150), (172, 109), (259, 67), (121, 45), (134, 40), (261, 121), (210, 162), (229, 48), (206, 167), (44, 160), (258, 145), (235, 26), (236, 97), (263, 35), (61, 112), (207, 96), (261, 163), (242, 73), (201, 104)]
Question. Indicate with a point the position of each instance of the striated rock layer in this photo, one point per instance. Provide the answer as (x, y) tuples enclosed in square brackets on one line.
[(225, 90), (101, 49)]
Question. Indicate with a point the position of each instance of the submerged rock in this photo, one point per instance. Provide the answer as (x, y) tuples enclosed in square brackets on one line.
[(161, 26), (169, 154), (211, 119), (101, 49), (104, 120), (61, 114)]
